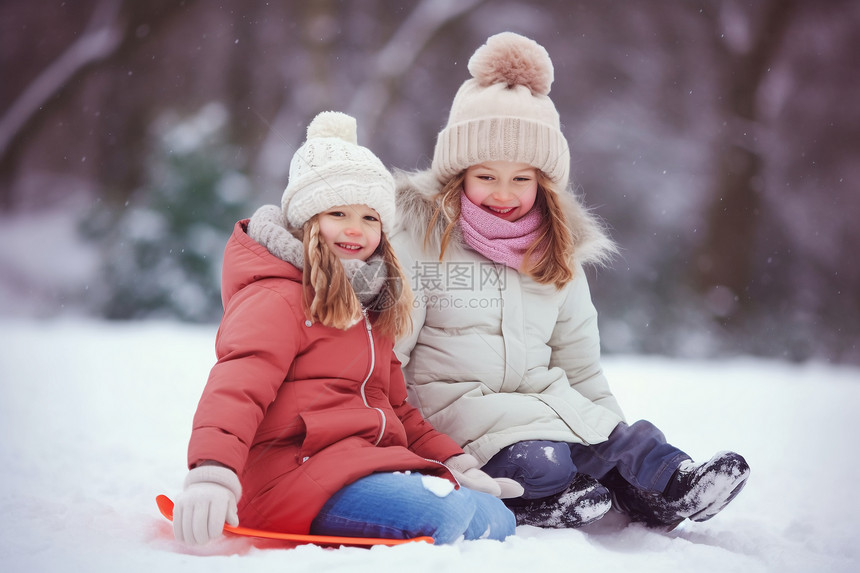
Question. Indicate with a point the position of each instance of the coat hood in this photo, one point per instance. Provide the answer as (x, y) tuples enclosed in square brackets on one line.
[(247, 261), (415, 205)]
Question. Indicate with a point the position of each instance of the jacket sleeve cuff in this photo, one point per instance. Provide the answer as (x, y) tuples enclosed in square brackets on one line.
[(215, 474)]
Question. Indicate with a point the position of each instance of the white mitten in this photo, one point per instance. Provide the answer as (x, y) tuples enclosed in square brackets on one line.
[(510, 488), (465, 469), (206, 504)]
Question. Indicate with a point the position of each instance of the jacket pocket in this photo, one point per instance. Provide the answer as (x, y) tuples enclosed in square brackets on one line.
[(323, 429), (591, 423)]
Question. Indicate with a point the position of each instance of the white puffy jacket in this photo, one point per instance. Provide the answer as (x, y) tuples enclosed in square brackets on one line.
[(495, 358)]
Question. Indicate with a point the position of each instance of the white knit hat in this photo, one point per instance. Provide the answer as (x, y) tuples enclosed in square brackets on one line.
[(331, 169), (503, 113)]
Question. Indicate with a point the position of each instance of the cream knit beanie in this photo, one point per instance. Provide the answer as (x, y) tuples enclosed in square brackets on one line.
[(503, 113), (331, 169)]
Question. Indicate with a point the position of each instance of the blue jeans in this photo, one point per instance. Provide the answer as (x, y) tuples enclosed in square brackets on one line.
[(638, 452), (401, 505)]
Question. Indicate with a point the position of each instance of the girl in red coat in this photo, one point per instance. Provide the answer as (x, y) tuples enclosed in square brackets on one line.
[(303, 425)]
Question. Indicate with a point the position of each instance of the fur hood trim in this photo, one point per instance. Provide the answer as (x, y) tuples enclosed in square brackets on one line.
[(268, 227)]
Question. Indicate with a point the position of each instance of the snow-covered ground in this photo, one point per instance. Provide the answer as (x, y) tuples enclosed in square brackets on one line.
[(94, 419)]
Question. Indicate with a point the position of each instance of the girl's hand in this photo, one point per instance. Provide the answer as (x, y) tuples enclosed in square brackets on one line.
[(207, 503), (465, 469)]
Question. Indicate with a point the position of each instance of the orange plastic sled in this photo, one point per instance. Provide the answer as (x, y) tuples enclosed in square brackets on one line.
[(165, 506)]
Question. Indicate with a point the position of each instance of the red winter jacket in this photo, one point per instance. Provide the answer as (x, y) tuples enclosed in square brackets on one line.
[(301, 410)]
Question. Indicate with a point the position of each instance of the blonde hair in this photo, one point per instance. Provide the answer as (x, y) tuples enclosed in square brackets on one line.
[(548, 260), (328, 296)]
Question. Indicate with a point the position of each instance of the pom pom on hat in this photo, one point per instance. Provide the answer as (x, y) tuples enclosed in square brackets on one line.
[(331, 169), (513, 60), (334, 124), (504, 113)]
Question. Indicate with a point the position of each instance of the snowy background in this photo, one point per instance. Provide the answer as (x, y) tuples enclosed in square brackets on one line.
[(718, 139), (95, 418)]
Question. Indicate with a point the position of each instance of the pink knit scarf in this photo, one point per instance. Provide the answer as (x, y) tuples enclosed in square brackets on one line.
[(499, 240)]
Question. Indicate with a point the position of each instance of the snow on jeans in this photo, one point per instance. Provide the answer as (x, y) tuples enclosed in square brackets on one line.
[(401, 505), (639, 452)]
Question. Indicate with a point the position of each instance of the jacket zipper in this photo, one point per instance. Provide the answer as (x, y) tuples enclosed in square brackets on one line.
[(381, 413), (367, 378)]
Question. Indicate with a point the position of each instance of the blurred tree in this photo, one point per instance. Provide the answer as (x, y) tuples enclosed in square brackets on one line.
[(392, 63), (109, 35), (162, 252), (746, 50), (101, 36)]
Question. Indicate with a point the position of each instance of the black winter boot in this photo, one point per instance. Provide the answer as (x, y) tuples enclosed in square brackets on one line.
[(696, 492), (584, 501)]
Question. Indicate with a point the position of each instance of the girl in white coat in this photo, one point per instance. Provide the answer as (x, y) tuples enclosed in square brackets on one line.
[(505, 355)]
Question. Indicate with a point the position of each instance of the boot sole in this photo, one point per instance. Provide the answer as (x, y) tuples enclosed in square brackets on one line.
[(718, 504)]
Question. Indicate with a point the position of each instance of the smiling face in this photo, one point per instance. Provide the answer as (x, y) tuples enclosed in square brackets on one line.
[(351, 231), (507, 190)]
